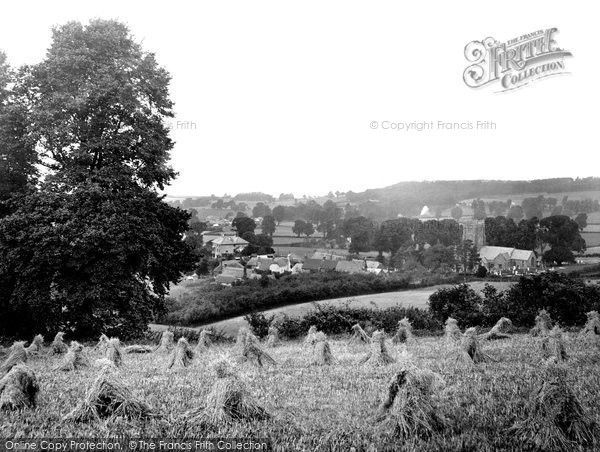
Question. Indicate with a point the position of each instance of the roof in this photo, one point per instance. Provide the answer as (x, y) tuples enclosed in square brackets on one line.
[(225, 279), (281, 261), (374, 264), (522, 255), (329, 265), (264, 264), (349, 267), (295, 257), (229, 240), (252, 262), (328, 256), (312, 264), (235, 272), (231, 264), (489, 253)]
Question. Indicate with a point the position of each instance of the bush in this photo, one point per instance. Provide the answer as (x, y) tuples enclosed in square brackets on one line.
[(259, 323), (339, 320), (481, 272), (566, 298), (460, 302)]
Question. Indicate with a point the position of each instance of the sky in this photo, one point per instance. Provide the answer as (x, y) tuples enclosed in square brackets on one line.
[(301, 97)]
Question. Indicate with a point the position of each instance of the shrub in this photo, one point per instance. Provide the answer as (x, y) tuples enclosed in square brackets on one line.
[(566, 299), (460, 302), (259, 323), (332, 319)]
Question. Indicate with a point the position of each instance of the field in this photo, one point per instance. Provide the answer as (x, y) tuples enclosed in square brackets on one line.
[(417, 298), (321, 407), (592, 239)]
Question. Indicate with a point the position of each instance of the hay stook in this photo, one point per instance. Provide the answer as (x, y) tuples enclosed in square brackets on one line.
[(499, 330), (74, 359), (452, 332), (166, 343), (35, 348), (246, 349), (58, 346), (109, 398), (471, 348), (556, 419), (403, 332), (227, 402), (322, 355), (204, 342), (17, 355), (18, 388), (408, 406), (543, 324), (378, 354), (592, 325), (359, 336), (182, 356), (273, 337)]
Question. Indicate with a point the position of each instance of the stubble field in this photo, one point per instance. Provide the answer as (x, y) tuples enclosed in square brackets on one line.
[(321, 407)]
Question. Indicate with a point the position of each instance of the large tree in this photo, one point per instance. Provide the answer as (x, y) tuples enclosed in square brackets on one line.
[(95, 247)]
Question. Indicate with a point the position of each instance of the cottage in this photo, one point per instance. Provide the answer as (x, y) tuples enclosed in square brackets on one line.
[(498, 258)]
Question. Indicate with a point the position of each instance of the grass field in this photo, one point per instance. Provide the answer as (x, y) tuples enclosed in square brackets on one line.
[(417, 298), (321, 408)]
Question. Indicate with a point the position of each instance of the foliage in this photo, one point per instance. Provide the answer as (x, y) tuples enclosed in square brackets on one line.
[(93, 248), (460, 302), (209, 302)]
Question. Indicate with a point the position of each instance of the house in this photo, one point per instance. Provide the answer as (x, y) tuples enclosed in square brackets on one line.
[(227, 264), (209, 236), (499, 258), (326, 256), (350, 266), (318, 265), (225, 245), (374, 267), (229, 275)]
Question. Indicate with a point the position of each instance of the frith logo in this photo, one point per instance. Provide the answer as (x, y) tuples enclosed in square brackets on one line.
[(514, 63)]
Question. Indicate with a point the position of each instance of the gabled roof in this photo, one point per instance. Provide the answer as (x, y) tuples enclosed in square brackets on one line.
[(264, 264), (374, 264), (522, 255), (252, 262), (329, 264), (349, 267), (281, 261), (235, 272), (490, 253), (229, 240), (312, 264)]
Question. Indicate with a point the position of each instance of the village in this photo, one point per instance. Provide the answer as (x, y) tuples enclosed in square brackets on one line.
[(228, 248)]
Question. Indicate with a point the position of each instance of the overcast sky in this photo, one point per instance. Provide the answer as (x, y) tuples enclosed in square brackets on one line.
[(282, 94)]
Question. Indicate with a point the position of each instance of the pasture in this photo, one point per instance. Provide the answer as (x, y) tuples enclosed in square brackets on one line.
[(326, 407)]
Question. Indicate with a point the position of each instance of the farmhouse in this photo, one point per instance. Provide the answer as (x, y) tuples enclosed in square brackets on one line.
[(226, 245), (499, 258)]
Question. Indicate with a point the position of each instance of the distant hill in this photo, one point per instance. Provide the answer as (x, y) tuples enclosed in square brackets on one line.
[(408, 198)]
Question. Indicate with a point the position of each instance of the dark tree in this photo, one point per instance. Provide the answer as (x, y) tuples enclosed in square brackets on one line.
[(95, 247), (279, 214), (268, 225), (243, 224), (299, 227)]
